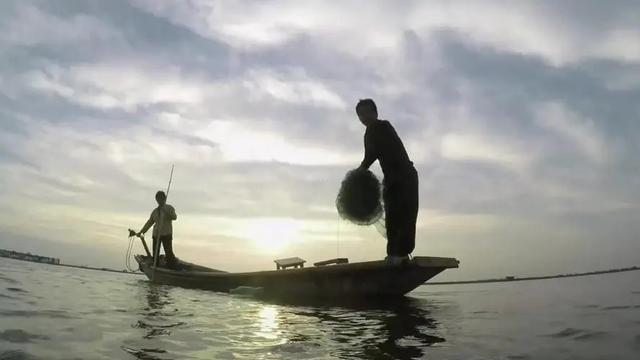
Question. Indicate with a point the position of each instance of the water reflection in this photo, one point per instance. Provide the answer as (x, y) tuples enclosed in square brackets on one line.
[(156, 316), (225, 326), (409, 330), (155, 320), (397, 329), (268, 318)]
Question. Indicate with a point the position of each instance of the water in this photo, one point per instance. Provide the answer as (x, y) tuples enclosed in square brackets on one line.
[(50, 312)]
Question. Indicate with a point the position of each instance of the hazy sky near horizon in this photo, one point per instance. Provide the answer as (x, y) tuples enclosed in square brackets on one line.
[(522, 119)]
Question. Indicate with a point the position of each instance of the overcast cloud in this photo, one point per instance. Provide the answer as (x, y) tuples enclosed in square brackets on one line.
[(522, 119)]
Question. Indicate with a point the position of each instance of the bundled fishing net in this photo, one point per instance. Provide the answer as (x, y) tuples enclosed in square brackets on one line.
[(359, 199)]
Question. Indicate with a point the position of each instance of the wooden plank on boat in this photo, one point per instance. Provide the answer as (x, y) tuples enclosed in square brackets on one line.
[(289, 262), (332, 261)]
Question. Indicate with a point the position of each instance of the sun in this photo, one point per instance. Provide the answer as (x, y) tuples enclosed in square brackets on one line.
[(272, 234)]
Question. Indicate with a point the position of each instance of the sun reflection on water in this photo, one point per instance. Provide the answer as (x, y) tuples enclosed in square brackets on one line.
[(268, 322)]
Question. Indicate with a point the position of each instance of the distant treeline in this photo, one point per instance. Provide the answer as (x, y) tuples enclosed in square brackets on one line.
[(28, 257)]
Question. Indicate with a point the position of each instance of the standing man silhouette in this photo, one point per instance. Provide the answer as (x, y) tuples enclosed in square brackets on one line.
[(400, 191), (164, 235)]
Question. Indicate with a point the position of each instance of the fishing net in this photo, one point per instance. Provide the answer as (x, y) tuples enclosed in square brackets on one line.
[(359, 198)]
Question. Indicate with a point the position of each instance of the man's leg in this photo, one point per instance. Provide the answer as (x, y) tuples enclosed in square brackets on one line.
[(401, 207), (391, 234), (407, 242), (168, 250), (155, 244), (392, 218)]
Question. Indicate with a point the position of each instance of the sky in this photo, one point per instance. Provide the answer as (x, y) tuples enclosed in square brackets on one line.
[(522, 119)]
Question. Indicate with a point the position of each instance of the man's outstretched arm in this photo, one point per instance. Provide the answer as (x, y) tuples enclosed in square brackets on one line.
[(146, 226)]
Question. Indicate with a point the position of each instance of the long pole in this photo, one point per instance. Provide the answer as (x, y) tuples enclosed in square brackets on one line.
[(156, 248)]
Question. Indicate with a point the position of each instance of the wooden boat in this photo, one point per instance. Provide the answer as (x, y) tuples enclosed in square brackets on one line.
[(364, 279)]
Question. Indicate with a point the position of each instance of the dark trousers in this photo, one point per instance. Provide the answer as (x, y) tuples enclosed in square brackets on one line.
[(400, 196), (166, 241)]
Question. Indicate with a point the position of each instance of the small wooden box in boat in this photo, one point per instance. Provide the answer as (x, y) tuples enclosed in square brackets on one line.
[(363, 279), (289, 262)]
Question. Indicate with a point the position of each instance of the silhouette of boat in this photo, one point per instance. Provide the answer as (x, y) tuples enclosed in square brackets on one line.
[(363, 279)]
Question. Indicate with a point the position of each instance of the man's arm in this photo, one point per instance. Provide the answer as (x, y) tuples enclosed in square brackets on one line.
[(147, 225), (170, 211), (370, 152)]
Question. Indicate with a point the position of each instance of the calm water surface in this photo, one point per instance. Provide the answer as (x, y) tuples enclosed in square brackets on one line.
[(49, 312)]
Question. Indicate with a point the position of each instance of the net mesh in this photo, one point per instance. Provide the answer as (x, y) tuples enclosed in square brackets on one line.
[(359, 198)]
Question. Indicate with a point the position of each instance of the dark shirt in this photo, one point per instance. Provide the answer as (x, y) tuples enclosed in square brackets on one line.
[(382, 143)]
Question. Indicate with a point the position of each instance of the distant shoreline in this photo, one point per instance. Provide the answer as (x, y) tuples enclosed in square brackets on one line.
[(481, 281), (77, 266), (513, 278)]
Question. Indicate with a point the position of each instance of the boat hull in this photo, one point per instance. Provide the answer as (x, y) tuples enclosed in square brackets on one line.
[(365, 279)]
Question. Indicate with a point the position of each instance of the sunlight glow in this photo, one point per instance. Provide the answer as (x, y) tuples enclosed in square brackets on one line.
[(273, 234), (238, 143)]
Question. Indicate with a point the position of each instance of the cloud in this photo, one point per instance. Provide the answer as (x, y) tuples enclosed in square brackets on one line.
[(94, 86), (544, 28), (475, 148), (291, 90), (518, 118), (581, 132), (27, 25)]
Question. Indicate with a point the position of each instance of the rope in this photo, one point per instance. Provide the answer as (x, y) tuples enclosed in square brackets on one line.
[(338, 238), (127, 262), (381, 226), (128, 254)]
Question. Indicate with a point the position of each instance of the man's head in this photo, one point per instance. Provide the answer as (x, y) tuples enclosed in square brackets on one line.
[(367, 111), (161, 197)]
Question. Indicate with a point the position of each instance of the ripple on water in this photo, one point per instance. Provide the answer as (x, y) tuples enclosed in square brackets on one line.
[(154, 330), (7, 279), (143, 325), (54, 314), (17, 290), (579, 334), (16, 355), (292, 349), (144, 354), (621, 307), (588, 306), (20, 336)]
